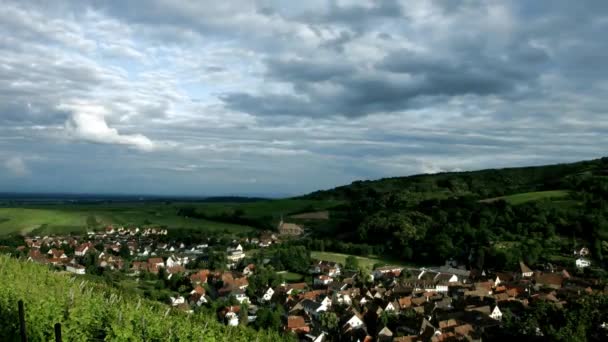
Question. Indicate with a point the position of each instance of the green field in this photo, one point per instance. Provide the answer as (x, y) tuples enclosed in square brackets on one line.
[(267, 209), (73, 218), (531, 196), (61, 218), (291, 277), (367, 262)]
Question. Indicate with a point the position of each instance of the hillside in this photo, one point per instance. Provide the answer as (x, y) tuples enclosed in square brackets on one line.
[(89, 311), (487, 218), (481, 184)]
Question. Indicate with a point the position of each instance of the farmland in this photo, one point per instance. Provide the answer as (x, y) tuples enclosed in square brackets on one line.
[(366, 262), (73, 218), (59, 218)]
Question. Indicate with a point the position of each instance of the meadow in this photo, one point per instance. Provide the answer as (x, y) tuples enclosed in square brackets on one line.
[(525, 197), (365, 262), (63, 218), (74, 218)]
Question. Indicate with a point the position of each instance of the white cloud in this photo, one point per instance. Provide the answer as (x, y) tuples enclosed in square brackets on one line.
[(17, 167), (87, 122)]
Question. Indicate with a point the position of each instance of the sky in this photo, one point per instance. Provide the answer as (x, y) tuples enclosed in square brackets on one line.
[(286, 97)]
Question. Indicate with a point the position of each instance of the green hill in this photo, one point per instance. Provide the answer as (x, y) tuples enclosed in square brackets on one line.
[(89, 311), (486, 218), (481, 184)]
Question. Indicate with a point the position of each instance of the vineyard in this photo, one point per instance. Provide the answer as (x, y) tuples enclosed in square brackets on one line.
[(90, 311)]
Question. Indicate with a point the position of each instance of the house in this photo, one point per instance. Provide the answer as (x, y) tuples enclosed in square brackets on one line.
[(297, 324), (323, 280), (446, 278), (235, 254), (268, 295), (380, 272), (57, 253), (496, 313), (248, 270), (503, 278), (385, 335), (447, 324), (289, 229), (177, 300), (582, 263), (198, 296), (82, 249), (583, 252), (295, 287), (526, 272), (240, 296), (552, 280), (312, 308), (199, 277), (231, 316), (173, 261), (75, 268), (154, 264), (405, 302), (354, 322)]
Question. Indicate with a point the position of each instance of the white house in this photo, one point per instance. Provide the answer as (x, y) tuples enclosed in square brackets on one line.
[(82, 249), (496, 313), (381, 271), (268, 295), (354, 322), (389, 307), (173, 261), (582, 263), (177, 300), (326, 302), (74, 268), (323, 280), (240, 296), (232, 318), (313, 308), (345, 299), (248, 270)]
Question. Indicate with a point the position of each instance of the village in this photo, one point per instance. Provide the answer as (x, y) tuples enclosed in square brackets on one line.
[(389, 303)]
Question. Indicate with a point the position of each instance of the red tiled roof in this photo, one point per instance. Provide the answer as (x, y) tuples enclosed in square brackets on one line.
[(295, 322)]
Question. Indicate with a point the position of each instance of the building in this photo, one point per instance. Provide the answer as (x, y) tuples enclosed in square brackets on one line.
[(290, 229), (526, 272), (75, 268), (582, 263)]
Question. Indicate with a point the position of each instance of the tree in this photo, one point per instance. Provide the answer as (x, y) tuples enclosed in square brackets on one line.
[(329, 322), (351, 263), (124, 251), (269, 319)]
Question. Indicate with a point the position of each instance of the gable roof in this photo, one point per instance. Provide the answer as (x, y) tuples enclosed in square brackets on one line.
[(295, 322), (385, 332), (554, 279), (524, 268)]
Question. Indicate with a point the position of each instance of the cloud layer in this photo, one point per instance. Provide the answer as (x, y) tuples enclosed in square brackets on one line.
[(269, 97)]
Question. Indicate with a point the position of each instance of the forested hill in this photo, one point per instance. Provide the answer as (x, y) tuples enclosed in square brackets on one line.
[(481, 184), (488, 218)]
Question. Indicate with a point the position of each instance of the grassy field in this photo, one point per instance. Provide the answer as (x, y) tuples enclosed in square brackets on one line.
[(59, 218), (273, 208), (73, 218), (291, 277), (367, 262), (531, 196)]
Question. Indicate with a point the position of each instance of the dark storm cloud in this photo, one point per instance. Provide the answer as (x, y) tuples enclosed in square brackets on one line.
[(393, 84)]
